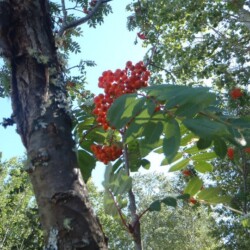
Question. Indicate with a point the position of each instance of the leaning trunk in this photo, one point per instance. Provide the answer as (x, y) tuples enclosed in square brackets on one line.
[(43, 121)]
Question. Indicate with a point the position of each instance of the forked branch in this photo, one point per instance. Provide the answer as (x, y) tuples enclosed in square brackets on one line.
[(82, 20)]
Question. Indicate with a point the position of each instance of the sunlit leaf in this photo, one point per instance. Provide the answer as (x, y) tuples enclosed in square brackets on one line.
[(124, 109), (193, 186), (203, 166), (204, 156), (205, 127), (179, 165)]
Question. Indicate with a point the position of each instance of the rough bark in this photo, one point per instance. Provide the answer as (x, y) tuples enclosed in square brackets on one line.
[(43, 122)]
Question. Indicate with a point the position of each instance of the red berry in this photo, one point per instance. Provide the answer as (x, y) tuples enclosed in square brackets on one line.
[(192, 200), (236, 93), (230, 153), (141, 36), (187, 172)]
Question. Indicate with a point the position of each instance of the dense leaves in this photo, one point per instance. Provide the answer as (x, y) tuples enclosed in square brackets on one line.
[(19, 228)]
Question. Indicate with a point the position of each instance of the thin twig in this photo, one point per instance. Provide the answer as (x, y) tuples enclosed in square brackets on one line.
[(124, 222), (144, 212), (87, 132), (64, 13), (80, 21)]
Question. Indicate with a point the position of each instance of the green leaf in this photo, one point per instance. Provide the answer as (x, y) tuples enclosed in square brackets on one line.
[(220, 199), (169, 201), (86, 163), (171, 143), (192, 150), (193, 186), (155, 206), (212, 195), (146, 148), (124, 182), (179, 165), (108, 175), (134, 156), (119, 182), (220, 147), (86, 124), (182, 95), (204, 156), (183, 197), (208, 193), (109, 205), (204, 143), (203, 166), (153, 131), (243, 122), (124, 109), (245, 222), (151, 105), (188, 110), (205, 127), (134, 130), (187, 138), (145, 163)]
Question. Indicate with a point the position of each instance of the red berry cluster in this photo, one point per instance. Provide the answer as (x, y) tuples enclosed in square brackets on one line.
[(236, 93), (105, 153), (118, 83)]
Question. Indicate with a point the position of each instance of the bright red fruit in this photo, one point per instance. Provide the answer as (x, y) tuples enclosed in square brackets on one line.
[(236, 93), (192, 200), (141, 36), (186, 172), (118, 83), (230, 153), (106, 153)]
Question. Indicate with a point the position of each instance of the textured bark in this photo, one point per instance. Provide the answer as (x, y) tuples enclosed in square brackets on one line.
[(43, 122)]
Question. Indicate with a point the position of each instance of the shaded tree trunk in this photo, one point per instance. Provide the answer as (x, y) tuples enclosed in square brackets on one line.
[(43, 122)]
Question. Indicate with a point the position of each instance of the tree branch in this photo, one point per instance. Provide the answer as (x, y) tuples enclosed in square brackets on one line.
[(64, 12), (136, 231), (244, 17), (80, 21)]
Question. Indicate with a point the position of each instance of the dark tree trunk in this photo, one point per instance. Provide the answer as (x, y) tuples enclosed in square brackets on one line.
[(43, 122)]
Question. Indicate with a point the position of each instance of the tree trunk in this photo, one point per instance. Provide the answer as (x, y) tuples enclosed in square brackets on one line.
[(43, 121)]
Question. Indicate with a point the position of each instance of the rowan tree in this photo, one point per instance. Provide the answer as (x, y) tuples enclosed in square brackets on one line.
[(132, 118)]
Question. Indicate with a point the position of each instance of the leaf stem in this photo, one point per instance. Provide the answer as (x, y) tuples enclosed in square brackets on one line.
[(119, 210)]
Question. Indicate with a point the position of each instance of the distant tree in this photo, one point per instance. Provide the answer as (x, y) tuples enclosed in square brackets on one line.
[(19, 227)]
